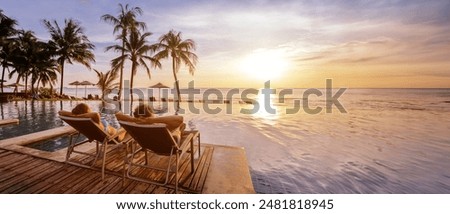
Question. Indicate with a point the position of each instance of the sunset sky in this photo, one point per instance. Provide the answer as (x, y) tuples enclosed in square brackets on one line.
[(295, 44)]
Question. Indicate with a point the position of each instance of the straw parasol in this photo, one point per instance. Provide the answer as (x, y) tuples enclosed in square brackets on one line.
[(76, 84), (86, 83), (159, 86)]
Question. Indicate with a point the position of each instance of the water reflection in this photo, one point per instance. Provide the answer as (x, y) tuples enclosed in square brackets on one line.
[(267, 112), (33, 116)]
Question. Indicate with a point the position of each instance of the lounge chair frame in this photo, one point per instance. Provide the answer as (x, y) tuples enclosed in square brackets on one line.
[(95, 134), (159, 141)]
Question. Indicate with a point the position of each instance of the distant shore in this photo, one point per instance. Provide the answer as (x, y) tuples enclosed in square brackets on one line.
[(20, 96)]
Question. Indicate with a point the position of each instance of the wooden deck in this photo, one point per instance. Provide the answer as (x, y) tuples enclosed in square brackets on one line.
[(219, 169), (21, 173)]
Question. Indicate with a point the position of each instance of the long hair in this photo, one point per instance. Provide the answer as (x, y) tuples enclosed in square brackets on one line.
[(81, 109)]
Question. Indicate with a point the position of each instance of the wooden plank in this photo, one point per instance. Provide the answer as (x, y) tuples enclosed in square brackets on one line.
[(113, 187), (198, 170), (205, 169), (33, 176), (4, 153), (60, 175), (198, 164), (130, 185), (13, 161), (150, 189), (62, 185), (160, 190), (9, 122), (82, 182), (30, 177), (41, 177), (15, 168), (17, 175), (140, 188), (100, 185)]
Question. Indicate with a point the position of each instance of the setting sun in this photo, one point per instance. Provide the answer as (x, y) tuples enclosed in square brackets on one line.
[(264, 64)]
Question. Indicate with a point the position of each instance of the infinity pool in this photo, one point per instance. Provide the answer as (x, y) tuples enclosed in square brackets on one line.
[(35, 116), (390, 141)]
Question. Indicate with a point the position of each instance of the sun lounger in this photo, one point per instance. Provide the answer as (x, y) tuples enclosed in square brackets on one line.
[(88, 126), (158, 139)]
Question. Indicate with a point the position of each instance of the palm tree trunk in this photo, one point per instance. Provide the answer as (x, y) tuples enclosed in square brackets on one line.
[(17, 82), (3, 77), (26, 84), (62, 77), (51, 89), (121, 72), (133, 68), (32, 88), (37, 85), (177, 85), (33, 81)]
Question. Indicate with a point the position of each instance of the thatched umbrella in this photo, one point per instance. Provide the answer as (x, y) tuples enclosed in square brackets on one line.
[(76, 84), (159, 86), (86, 83)]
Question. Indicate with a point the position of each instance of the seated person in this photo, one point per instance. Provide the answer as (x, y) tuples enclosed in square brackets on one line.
[(174, 122), (144, 114), (83, 109)]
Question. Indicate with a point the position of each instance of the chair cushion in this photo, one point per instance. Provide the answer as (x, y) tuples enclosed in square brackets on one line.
[(173, 122)]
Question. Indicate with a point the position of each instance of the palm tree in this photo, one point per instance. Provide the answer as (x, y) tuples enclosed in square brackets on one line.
[(171, 44), (47, 76), (46, 66), (106, 82), (24, 56), (33, 58), (69, 44), (6, 51), (7, 30), (135, 49), (124, 23)]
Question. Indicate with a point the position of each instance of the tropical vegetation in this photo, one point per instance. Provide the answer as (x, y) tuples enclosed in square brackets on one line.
[(69, 44), (37, 63), (7, 31), (124, 24), (136, 50), (181, 51), (107, 82)]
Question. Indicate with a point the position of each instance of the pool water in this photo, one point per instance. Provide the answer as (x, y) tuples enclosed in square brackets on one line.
[(35, 116), (390, 141), (55, 144)]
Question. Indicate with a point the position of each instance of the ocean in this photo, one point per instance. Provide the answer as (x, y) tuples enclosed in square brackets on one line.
[(385, 140)]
